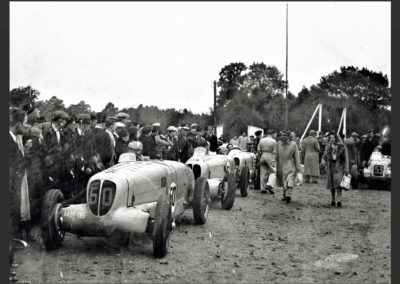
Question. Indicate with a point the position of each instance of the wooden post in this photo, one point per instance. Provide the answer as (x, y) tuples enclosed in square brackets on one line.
[(287, 41)]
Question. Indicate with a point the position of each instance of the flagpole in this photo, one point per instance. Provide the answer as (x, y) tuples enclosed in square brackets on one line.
[(286, 98)]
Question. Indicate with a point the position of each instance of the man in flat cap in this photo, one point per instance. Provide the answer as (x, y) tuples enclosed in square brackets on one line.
[(54, 144), (108, 153), (310, 152), (136, 147), (265, 150), (122, 117), (288, 164), (85, 153), (173, 152)]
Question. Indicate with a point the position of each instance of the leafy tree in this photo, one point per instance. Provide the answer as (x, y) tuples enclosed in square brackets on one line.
[(110, 109), (231, 79), (48, 107), (368, 87), (262, 78), (23, 97), (79, 108)]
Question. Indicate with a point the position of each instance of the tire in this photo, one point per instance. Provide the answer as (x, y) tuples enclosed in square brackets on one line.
[(52, 235), (228, 199), (162, 225), (244, 181), (256, 181), (201, 198)]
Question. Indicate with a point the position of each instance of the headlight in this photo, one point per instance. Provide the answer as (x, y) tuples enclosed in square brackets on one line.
[(367, 173)]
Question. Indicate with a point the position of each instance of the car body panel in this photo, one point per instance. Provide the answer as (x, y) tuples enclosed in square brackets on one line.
[(124, 197), (379, 167)]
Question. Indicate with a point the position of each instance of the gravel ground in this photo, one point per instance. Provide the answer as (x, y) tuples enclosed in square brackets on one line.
[(261, 239)]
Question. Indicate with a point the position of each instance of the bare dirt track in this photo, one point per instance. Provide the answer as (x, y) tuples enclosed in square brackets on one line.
[(261, 239)]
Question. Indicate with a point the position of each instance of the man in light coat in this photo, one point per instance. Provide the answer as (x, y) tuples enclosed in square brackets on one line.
[(267, 161), (310, 151), (288, 164)]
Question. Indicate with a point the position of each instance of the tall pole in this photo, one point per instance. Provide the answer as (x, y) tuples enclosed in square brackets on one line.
[(215, 101), (286, 98)]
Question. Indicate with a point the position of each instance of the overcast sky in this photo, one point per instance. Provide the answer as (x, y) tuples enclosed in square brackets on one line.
[(169, 53)]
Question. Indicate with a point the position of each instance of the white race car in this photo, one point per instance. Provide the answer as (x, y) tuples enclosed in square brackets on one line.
[(378, 172)]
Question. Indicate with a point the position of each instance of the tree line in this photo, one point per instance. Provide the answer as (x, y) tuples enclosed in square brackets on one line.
[(254, 95)]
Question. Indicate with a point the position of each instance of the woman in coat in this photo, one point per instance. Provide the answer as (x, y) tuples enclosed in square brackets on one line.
[(336, 160), (310, 149)]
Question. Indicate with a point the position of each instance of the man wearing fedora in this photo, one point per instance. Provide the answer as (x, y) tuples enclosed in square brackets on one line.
[(288, 164)]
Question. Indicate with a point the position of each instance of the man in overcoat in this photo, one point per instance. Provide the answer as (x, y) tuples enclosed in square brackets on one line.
[(54, 145), (288, 164), (310, 151)]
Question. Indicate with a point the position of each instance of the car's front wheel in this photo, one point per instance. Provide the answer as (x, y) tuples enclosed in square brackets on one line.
[(162, 225), (51, 232), (228, 191), (201, 197)]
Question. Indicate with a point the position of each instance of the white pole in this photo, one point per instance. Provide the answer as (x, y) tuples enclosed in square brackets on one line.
[(308, 125), (340, 123), (344, 122), (320, 118)]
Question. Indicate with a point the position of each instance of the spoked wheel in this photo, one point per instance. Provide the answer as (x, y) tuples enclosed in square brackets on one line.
[(228, 191), (201, 200), (51, 231), (162, 225), (244, 181)]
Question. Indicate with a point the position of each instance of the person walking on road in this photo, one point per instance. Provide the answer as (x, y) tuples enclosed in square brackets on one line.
[(310, 152), (336, 160), (288, 164), (267, 160)]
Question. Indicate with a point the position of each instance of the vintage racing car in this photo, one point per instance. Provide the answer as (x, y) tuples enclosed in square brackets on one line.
[(218, 172), (245, 166), (378, 171), (129, 197)]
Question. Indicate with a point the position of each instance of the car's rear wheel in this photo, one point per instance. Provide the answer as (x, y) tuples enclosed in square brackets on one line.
[(51, 231), (201, 197), (162, 225), (244, 181), (228, 191)]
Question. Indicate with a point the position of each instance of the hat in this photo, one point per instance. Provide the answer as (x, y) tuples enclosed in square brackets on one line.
[(355, 134), (101, 117), (179, 128), (59, 114), (327, 134), (312, 132), (119, 124), (269, 131), (258, 132), (172, 128), (185, 128), (135, 145), (156, 124), (285, 132), (155, 128), (122, 115), (84, 118)]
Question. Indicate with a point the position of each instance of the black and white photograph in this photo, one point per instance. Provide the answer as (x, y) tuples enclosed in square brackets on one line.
[(199, 142)]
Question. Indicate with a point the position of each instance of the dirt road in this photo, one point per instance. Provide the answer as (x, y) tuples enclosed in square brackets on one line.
[(262, 239)]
